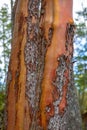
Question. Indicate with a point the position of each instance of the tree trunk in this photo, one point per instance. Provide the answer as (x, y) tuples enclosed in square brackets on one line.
[(41, 92)]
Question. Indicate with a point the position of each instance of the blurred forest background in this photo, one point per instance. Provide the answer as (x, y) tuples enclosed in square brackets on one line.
[(79, 60)]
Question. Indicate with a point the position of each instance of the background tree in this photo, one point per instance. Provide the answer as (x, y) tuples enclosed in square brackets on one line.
[(81, 64), (5, 43)]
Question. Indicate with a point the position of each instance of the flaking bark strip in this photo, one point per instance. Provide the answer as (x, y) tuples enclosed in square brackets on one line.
[(31, 59), (16, 86), (63, 83), (13, 14), (34, 58), (54, 52), (70, 30), (50, 109), (48, 89)]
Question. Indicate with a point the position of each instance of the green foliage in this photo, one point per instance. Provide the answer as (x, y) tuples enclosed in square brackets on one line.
[(2, 100), (81, 58), (2, 108), (5, 42), (5, 46), (81, 23)]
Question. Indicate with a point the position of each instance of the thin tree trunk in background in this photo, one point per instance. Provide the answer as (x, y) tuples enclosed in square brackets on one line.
[(11, 9), (11, 16), (41, 92)]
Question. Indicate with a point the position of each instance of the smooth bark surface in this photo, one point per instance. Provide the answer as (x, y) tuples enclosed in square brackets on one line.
[(41, 92)]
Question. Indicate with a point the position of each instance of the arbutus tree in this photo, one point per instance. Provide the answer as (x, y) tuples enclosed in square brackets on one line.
[(41, 93)]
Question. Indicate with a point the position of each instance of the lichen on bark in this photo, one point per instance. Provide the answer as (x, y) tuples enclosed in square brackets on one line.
[(67, 116), (34, 59)]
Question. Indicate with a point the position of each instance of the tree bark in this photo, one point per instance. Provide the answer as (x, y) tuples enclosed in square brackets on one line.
[(41, 92)]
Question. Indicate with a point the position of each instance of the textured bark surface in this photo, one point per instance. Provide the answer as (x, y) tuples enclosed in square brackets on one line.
[(17, 70), (41, 92)]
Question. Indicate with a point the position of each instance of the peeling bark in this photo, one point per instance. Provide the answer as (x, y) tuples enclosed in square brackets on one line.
[(17, 70), (40, 78)]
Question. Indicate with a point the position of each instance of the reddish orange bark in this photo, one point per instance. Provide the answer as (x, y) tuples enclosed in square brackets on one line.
[(40, 67), (60, 13), (16, 87)]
